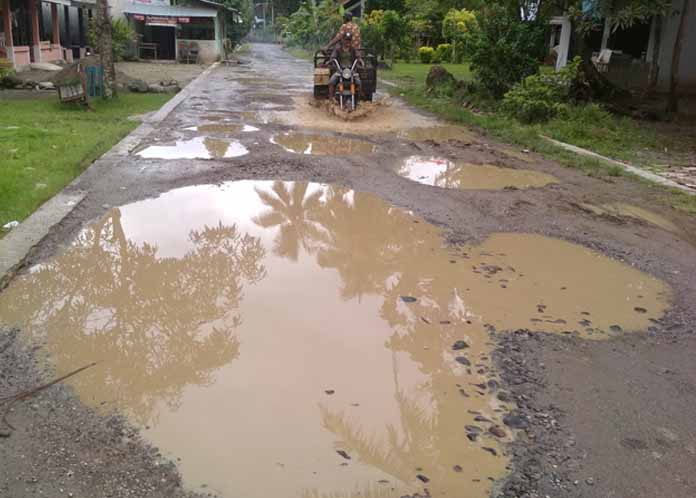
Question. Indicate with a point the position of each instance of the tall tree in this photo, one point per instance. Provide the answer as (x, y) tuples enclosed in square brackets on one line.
[(106, 47), (673, 104)]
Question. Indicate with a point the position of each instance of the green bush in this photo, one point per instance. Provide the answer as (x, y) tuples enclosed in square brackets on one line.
[(503, 49), (443, 53), (123, 35), (426, 54), (541, 97)]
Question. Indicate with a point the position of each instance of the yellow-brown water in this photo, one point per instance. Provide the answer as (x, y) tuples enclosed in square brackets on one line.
[(440, 172), (296, 340), (621, 209), (441, 133), (322, 145)]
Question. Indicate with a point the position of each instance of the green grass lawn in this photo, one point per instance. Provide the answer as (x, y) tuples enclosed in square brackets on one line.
[(44, 145), (406, 73)]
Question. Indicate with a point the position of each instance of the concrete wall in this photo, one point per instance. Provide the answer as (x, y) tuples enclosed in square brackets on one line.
[(207, 49), (687, 65)]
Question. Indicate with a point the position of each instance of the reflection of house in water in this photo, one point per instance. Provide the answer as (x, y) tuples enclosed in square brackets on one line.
[(33, 31), (626, 55), (191, 30)]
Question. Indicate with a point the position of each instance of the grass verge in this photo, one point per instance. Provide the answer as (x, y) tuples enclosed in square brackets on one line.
[(45, 145), (619, 138)]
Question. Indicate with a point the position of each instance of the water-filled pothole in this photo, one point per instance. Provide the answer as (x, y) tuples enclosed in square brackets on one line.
[(620, 209), (293, 339), (443, 133), (196, 148), (231, 129), (322, 145), (440, 172)]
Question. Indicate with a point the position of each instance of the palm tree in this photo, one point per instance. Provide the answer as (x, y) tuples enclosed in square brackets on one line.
[(294, 211), (154, 324)]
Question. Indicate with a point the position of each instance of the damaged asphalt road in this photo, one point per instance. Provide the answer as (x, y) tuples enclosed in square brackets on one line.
[(552, 413)]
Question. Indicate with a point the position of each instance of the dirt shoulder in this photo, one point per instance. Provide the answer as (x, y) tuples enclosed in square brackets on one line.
[(61, 448)]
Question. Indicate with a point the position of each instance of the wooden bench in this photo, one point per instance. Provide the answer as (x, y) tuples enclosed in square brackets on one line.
[(145, 46)]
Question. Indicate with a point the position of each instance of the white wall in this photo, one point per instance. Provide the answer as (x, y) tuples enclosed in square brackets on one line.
[(207, 49)]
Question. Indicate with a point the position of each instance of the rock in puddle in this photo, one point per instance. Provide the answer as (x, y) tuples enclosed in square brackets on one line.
[(459, 345), (498, 431), (463, 360)]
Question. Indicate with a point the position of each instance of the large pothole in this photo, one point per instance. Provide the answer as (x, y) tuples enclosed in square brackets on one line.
[(322, 145), (196, 148), (292, 339), (441, 172)]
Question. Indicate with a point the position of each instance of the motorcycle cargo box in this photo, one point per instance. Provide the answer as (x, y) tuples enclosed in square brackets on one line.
[(321, 76)]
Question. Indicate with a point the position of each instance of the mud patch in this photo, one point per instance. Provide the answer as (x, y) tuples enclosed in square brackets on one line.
[(439, 134), (196, 148), (622, 210), (293, 339), (443, 173), (322, 145), (386, 119)]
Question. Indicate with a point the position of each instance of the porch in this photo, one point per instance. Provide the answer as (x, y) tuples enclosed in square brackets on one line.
[(34, 31)]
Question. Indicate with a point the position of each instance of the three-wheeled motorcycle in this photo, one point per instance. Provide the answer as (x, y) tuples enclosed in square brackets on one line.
[(347, 94)]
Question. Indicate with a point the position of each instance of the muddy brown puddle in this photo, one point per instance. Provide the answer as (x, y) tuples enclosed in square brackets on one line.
[(441, 172), (442, 133), (620, 209), (303, 340), (321, 145), (195, 148)]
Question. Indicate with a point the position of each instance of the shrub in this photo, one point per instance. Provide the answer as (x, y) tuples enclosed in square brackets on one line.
[(425, 54), (503, 49), (541, 97), (443, 53), (123, 35)]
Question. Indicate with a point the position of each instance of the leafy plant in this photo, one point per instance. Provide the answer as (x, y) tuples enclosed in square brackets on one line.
[(456, 27), (123, 35), (504, 49), (443, 53), (425, 54), (312, 25), (541, 97)]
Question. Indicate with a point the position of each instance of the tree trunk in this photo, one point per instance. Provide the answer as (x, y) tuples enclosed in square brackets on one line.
[(106, 48), (655, 63), (595, 84), (673, 104)]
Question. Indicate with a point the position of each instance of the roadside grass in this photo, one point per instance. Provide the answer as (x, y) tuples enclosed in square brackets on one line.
[(416, 73), (615, 137), (45, 145)]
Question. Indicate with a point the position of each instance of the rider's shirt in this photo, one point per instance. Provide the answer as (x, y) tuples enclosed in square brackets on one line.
[(344, 57), (354, 30)]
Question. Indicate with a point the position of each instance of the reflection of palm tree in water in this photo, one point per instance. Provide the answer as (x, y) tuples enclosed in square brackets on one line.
[(380, 250), (294, 212), (154, 324)]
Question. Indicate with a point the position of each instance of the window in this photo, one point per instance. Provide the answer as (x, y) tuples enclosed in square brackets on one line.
[(200, 28)]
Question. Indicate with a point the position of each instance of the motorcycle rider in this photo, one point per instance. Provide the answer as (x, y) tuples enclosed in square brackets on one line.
[(348, 26), (345, 54)]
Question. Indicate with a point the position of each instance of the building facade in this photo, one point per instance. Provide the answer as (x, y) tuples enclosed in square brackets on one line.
[(33, 31)]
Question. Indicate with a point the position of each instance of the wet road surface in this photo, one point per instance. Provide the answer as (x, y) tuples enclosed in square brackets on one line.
[(288, 305)]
